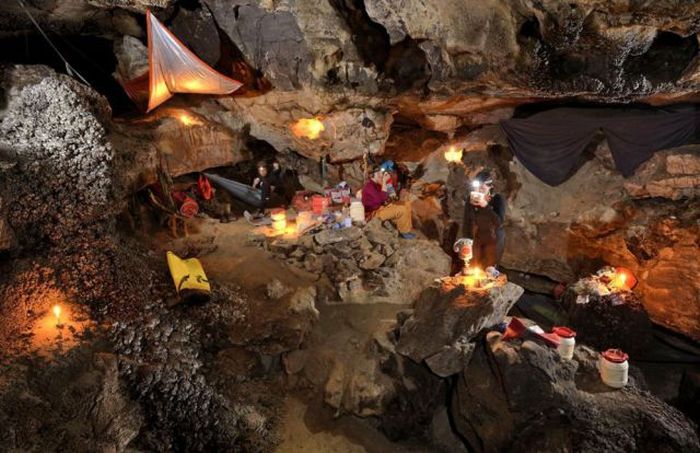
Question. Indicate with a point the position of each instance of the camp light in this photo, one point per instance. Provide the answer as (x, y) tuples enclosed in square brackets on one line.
[(623, 279), (476, 184), (453, 155), (279, 220), (310, 128)]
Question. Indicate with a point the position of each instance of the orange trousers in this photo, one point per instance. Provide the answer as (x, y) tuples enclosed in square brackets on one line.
[(399, 213)]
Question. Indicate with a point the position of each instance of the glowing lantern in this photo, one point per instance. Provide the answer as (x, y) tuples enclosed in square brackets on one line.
[(310, 128), (279, 220), (453, 155), (624, 279), (57, 313), (474, 278), (188, 120)]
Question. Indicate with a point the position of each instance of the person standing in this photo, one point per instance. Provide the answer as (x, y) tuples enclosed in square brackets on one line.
[(376, 202), (484, 216)]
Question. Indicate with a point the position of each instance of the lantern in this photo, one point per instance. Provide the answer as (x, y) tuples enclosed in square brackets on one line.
[(453, 155), (474, 277), (279, 220), (623, 280), (310, 128)]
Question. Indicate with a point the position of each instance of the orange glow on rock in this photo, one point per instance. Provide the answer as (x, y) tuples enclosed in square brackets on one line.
[(187, 119), (310, 128)]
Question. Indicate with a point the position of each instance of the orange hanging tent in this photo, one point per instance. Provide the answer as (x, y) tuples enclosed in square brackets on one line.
[(173, 68)]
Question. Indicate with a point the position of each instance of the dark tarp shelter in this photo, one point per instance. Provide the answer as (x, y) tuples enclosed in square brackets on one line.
[(550, 143)]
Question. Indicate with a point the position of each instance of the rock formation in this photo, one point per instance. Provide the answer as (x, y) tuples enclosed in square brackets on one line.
[(447, 318), (525, 397), (366, 265)]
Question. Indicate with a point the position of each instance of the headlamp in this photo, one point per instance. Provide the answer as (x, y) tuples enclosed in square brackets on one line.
[(476, 184)]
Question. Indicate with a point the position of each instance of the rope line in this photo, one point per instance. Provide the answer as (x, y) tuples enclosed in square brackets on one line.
[(69, 69)]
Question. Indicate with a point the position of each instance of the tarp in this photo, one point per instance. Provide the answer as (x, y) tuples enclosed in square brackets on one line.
[(239, 190), (173, 68), (550, 143)]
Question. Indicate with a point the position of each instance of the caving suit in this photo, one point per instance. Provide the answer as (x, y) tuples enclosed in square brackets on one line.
[(485, 227)]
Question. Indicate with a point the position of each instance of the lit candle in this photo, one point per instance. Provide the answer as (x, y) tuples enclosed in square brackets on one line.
[(57, 313)]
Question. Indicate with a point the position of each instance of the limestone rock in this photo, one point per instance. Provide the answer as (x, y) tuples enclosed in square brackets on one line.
[(331, 236), (103, 415), (614, 321), (526, 395), (673, 174), (351, 126), (377, 234), (276, 289), (198, 31), (186, 142), (372, 261), (446, 318), (132, 58)]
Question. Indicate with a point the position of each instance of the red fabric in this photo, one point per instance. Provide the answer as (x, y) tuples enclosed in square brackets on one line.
[(302, 201), (373, 197), (187, 206), (204, 188)]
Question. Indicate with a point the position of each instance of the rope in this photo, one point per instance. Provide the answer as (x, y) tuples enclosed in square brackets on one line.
[(69, 69)]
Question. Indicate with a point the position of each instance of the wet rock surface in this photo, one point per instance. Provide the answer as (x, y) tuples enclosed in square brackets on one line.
[(524, 396)]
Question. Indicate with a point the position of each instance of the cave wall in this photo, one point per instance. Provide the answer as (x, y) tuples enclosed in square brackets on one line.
[(405, 78), (648, 222)]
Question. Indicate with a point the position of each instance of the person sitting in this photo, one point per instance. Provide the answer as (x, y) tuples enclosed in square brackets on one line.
[(276, 178), (376, 202), (263, 183)]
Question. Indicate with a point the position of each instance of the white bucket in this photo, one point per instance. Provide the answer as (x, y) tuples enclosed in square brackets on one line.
[(357, 211), (567, 342), (614, 368)]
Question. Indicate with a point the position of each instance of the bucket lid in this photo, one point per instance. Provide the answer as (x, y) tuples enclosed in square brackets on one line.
[(564, 332), (615, 356)]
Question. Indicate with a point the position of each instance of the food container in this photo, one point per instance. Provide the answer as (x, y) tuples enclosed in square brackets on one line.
[(567, 342), (320, 203), (614, 368)]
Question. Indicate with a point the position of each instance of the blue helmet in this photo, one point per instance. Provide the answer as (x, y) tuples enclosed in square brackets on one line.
[(387, 165)]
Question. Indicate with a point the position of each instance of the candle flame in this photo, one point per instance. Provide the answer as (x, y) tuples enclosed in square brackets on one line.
[(57, 312), (310, 128), (453, 155)]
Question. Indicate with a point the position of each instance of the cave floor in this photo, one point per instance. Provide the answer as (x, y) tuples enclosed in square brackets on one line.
[(340, 334)]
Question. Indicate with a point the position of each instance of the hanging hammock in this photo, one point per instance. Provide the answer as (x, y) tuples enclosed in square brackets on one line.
[(173, 68)]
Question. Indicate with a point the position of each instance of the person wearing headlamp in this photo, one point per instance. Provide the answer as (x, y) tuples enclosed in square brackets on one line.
[(484, 215), (378, 203)]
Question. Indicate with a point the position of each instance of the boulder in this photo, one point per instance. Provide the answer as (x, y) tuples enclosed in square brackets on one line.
[(617, 321), (523, 396), (103, 415), (183, 140), (334, 236), (446, 319)]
